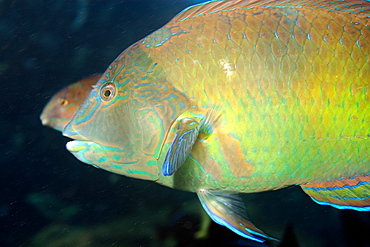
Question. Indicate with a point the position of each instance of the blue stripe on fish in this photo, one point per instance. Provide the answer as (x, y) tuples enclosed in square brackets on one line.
[(346, 193)]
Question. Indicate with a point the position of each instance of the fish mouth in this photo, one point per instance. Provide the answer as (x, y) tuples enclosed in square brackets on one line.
[(44, 121), (78, 145), (81, 150), (70, 132), (75, 145)]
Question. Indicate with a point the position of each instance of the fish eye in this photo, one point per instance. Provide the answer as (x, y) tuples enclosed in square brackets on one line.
[(63, 102), (107, 91)]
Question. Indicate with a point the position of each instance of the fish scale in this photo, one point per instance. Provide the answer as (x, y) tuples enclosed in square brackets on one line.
[(266, 94), (304, 43)]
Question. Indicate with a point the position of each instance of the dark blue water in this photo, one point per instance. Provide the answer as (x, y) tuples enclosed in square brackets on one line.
[(49, 198)]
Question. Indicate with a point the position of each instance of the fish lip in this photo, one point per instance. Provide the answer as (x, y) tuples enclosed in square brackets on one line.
[(71, 145), (70, 132), (45, 121)]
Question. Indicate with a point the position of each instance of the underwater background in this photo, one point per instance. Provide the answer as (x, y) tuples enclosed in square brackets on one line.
[(49, 198)]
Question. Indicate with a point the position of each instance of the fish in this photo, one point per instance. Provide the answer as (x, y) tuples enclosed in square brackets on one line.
[(63, 105), (240, 96)]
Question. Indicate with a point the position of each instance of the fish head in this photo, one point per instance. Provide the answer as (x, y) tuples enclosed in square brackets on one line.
[(63, 105), (58, 111), (124, 121)]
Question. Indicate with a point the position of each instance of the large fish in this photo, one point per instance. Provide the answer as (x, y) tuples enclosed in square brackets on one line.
[(60, 109), (240, 96)]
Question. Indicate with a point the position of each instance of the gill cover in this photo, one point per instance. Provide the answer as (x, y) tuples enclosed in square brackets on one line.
[(130, 109)]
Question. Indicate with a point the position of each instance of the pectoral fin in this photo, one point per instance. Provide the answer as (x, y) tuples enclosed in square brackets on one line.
[(186, 135), (347, 193), (187, 127), (227, 209)]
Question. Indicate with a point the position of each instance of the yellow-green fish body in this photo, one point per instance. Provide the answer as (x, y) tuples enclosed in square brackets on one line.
[(240, 96)]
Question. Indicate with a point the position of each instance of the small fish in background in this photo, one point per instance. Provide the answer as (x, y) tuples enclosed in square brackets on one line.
[(63, 105), (239, 97)]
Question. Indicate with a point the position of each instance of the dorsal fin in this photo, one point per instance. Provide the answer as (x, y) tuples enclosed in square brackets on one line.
[(359, 8)]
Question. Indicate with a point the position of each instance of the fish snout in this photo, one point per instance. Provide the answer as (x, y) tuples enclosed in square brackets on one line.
[(44, 121)]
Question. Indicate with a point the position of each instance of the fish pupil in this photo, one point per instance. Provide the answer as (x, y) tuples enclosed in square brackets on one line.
[(107, 93), (63, 102)]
